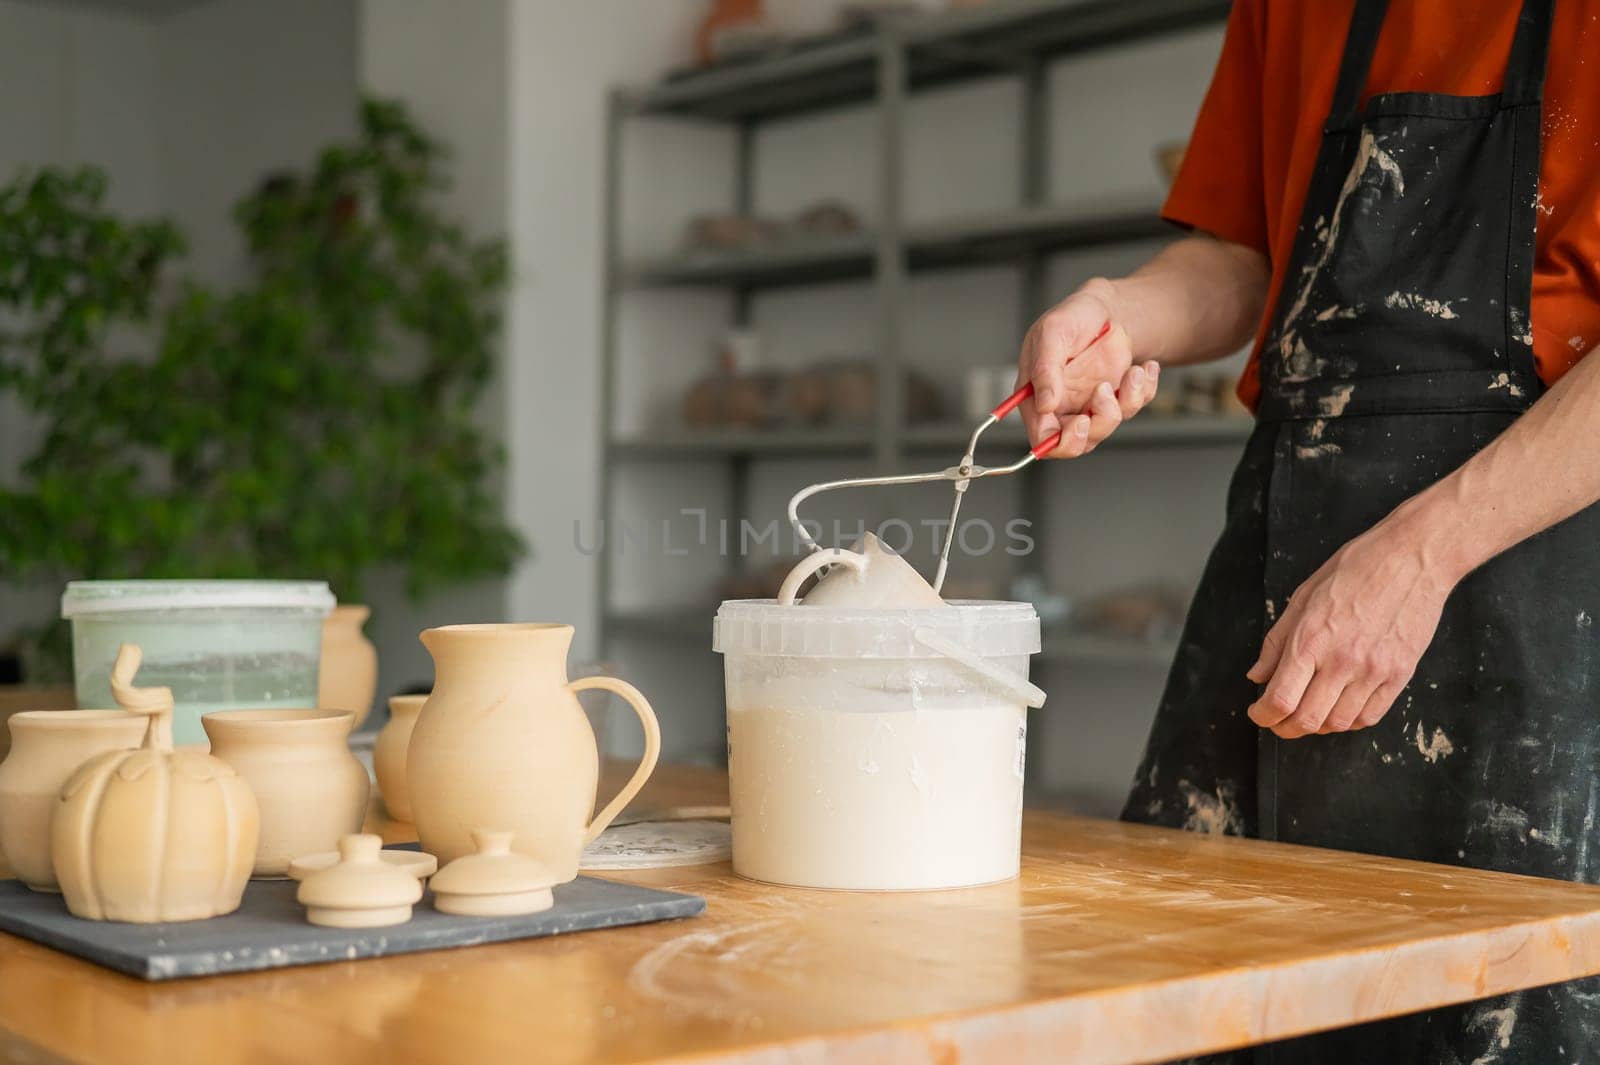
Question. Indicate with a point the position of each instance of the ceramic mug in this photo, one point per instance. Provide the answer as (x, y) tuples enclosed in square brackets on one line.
[(311, 790), (870, 575)]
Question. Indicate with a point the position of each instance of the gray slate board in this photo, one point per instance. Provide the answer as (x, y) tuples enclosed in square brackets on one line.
[(270, 930)]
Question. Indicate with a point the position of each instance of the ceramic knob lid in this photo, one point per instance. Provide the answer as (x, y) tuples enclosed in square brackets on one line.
[(494, 870), (359, 880)]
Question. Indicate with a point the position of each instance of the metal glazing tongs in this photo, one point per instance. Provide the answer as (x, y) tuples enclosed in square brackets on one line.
[(963, 475)]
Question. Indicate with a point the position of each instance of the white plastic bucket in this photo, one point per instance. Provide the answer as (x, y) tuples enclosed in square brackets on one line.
[(877, 749), (219, 645)]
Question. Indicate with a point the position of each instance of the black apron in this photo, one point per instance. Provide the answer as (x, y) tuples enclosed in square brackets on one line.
[(1399, 347)]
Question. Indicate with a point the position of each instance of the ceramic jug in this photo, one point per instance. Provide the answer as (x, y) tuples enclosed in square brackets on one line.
[(46, 747), (347, 678), (503, 741), (310, 789)]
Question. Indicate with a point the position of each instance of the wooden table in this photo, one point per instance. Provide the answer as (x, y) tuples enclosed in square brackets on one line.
[(1118, 944)]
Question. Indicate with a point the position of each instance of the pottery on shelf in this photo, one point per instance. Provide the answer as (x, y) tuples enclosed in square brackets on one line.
[(494, 880), (417, 863), (348, 676), (153, 834), (389, 754), (504, 742), (310, 789), (46, 747), (360, 890)]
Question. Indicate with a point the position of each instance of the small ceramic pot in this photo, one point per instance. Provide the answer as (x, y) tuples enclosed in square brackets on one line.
[(389, 755), (348, 676), (46, 747), (311, 790)]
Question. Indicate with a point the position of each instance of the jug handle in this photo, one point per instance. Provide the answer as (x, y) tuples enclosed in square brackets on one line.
[(647, 764), (813, 562)]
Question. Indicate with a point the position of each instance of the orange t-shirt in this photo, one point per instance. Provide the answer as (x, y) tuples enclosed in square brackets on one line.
[(1255, 142)]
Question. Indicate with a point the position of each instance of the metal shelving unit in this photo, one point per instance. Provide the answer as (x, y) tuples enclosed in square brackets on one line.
[(882, 67)]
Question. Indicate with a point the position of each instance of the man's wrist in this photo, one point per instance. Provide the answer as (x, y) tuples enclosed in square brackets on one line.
[(1105, 290), (1433, 526), (1113, 295)]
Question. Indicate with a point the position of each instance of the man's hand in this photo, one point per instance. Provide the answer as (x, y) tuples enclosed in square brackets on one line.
[(1351, 636), (1080, 361)]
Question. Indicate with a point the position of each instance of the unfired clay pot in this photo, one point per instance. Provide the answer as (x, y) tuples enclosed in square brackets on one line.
[(348, 677), (46, 747), (389, 754), (153, 834), (311, 790), (503, 741)]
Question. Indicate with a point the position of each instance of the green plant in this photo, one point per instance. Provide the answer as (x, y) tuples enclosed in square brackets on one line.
[(320, 420)]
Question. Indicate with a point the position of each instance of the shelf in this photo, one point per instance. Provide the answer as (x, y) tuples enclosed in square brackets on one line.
[(1146, 430), (805, 261), (975, 42), (1011, 234), (997, 236), (1079, 648), (962, 242), (807, 76), (766, 443), (941, 49)]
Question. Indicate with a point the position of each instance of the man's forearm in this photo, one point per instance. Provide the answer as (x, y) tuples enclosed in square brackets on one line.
[(1201, 298), (1541, 470)]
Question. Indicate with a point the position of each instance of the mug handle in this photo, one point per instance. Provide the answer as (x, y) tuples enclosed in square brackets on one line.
[(813, 562), (647, 764)]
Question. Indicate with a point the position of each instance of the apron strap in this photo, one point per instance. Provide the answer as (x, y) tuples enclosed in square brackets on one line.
[(1366, 22), (1524, 80), (1530, 49)]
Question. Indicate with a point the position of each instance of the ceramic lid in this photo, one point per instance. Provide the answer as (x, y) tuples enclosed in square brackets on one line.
[(359, 880), (416, 863), (494, 870)]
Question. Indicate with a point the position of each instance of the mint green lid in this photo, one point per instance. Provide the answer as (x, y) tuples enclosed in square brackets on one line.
[(93, 598)]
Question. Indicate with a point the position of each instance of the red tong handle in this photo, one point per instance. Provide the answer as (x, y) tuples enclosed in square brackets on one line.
[(1049, 443)]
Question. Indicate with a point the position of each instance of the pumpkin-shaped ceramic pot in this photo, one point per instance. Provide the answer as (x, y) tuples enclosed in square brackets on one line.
[(153, 834)]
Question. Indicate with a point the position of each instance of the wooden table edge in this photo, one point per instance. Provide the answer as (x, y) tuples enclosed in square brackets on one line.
[(1059, 1029)]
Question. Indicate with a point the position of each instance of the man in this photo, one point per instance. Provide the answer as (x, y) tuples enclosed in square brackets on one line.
[(1392, 649)]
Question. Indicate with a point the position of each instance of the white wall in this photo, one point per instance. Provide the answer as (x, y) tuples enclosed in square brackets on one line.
[(449, 63), (185, 112), (246, 88), (565, 57), (76, 86)]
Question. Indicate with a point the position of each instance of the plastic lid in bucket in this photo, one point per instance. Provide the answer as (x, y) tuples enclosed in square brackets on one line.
[(985, 628), (88, 598)]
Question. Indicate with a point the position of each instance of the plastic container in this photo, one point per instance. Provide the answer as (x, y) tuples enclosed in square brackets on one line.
[(877, 749), (219, 645)]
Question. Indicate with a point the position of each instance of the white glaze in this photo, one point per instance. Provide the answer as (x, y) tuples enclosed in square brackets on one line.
[(877, 799)]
